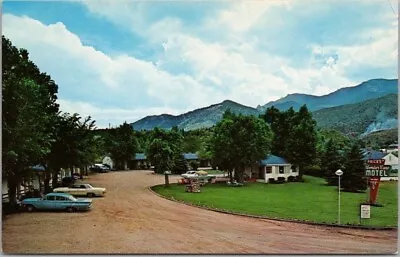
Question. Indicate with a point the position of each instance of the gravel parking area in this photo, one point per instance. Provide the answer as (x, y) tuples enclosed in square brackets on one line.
[(132, 220)]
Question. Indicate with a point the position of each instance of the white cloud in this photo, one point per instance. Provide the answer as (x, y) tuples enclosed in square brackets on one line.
[(193, 70), (243, 15), (88, 75)]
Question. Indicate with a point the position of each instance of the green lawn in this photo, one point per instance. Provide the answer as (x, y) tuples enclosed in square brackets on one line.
[(312, 201), (213, 172)]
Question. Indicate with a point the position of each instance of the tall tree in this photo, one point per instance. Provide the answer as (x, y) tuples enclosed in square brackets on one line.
[(167, 145), (160, 155), (282, 125), (29, 109), (123, 145), (354, 170), (294, 135), (240, 141), (302, 143), (332, 161), (74, 145)]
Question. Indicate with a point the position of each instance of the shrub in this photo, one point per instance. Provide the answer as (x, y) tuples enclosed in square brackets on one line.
[(314, 171), (291, 179), (281, 180), (271, 180), (194, 165)]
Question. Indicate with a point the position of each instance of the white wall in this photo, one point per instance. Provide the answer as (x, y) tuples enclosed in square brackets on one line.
[(107, 160), (392, 160), (275, 173)]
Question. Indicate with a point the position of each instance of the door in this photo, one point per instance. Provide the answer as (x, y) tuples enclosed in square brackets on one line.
[(63, 202), (48, 203)]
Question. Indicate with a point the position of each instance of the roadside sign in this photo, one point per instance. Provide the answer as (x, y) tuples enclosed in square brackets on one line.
[(378, 171), (376, 168), (376, 162), (365, 211)]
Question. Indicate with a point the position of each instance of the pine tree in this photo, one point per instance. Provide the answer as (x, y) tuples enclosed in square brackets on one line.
[(354, 171), (301, 146), (331, 162)]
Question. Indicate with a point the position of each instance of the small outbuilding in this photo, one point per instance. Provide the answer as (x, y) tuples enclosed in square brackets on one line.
[(140, 161), (272, 168)]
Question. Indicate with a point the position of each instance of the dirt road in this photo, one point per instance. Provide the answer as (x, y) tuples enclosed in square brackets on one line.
[(132, 220)]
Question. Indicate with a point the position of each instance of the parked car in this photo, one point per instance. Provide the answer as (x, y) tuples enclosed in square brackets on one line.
[(194, 173), (57, 201), (190, 174), (100, 168), (82, 189)]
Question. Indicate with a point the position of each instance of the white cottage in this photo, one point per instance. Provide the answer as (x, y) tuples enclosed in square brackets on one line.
[(107, 160), (392, 160), (272, 167)]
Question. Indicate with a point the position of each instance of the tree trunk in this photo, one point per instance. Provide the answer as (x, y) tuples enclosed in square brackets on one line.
[(166, 180), (230, 176), (40, 182), (55, 178), (301, 173), (47, 188), (240, 174), (12, 191)]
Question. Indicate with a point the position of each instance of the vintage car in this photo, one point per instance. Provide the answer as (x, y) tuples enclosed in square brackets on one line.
[(101, 168), (190, 174), (194, 173), (82, 190), (57, 201)]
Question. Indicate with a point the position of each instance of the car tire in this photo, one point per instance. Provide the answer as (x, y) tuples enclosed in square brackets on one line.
[(30, 208), (71, 209), (91, 195)]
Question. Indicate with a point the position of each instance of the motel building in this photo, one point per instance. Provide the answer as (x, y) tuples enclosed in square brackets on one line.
[(271, 168)]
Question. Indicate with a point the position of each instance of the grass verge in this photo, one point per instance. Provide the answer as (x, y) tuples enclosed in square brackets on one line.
[(311, 201)]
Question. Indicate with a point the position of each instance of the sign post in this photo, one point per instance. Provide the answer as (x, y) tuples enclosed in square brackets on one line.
[(339, 173), (375, 170)]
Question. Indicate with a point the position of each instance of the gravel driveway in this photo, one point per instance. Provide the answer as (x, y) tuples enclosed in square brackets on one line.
[(130, 219)]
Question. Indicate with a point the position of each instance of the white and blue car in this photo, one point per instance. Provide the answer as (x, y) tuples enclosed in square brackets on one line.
[(57, 201)]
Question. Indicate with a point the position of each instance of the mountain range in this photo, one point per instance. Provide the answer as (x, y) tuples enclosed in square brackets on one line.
[(360, 109), (370, 89)]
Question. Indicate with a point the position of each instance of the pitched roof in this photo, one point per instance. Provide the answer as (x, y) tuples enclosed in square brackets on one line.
[(140, 156), (38, 168), (273, 160), (372, 154), (190, 156)]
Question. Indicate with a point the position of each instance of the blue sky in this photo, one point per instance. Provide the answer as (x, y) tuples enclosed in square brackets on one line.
[(123, 60)]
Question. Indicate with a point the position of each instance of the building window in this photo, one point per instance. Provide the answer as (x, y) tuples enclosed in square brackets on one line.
[(268, 169), (281, 169)]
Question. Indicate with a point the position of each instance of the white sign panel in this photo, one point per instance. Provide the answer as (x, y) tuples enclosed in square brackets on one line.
[(365, 211)]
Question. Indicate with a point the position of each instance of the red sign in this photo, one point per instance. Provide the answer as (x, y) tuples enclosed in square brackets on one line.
[(373, 192), (376, 162)]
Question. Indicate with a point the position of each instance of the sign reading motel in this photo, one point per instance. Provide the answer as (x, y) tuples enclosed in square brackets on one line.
[(376, 173), (377, 168)]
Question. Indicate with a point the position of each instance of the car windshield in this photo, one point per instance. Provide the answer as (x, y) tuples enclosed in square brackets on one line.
[(89, 186)]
